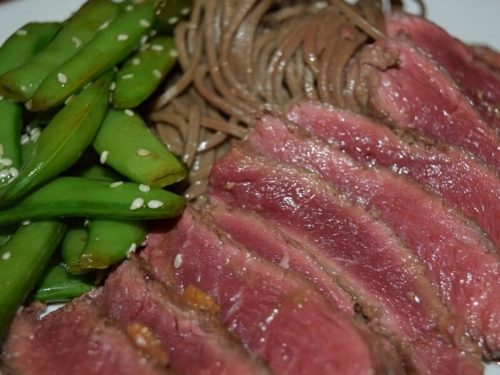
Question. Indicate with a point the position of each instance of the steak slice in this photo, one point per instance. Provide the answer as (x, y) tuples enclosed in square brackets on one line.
[(75, 339), (480, 83), (396, 81), (443, 170), (277, 315), (462, 271), (389, 280), (196, 342), (262, 237)]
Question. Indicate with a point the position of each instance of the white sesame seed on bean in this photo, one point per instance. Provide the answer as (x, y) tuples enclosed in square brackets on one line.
[(136, 204), (129, 112), (13, 172), (103, 157), (22, 32), (26, 222), (28, 105), (1, 150), (144, 188), (62, 78), (1, 98), (104, 25), (157, 73), (178, 261), (6, 255), (121, 37), (136, 61), (4, 173), (157, 47), (144, 39), (5, 162), (185, 11), (173, 20), (68, 99), (143, 152), (155, 204), (173, 53), (131, 249), (127, 76), (77, 41), (144, 23), (112, 87), (116, 184), (25, 138), (129, 8), (117, 1)]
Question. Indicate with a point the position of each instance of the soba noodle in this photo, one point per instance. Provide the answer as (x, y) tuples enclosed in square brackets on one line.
[(239, 57)]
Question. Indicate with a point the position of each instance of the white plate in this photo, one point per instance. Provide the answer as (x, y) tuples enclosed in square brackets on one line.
[(471, 20)]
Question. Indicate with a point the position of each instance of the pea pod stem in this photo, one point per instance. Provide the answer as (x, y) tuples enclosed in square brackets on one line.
[(110, 46), (143, 72), (22, 260), (139, 155), (21, 83), (62, 142), (80, 197)]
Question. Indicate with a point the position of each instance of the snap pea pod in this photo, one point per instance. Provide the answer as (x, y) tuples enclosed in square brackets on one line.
[(63, 141), (139, 155), (10, 133), (170, 12), (81, 197), (21, 83), (108, 48), (57, 285), (109, 242), (22, 260), (73, 245), (26, 42), (143, 72)]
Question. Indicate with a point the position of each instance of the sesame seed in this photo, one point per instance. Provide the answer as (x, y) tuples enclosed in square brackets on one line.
[(14, 172), (155, 204), (143, 152), (116, 184), (77, 41), (185, 11), (25, 138), (112, 87), (157, 73), (131, 249), (1, 149), (129, 112), (152, 33), (28, 105), (117, 1), (68, 99), (35, 134), (22, 32), (103, 157), (144, 23), (157, 47), (103, 26), (26, 222), (129, 8), (144, 188), (136, 61), (5, 162), (6, 255), (86, 222), (144, 39), (136, 204), (62, 78), (127, 76), (173, 53), (178, 261), (4, 173), (173, 20), (121, 37), (1, 98)]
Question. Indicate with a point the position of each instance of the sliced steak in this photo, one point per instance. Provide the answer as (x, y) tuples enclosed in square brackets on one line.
[(480, 83), (389, 280), (278, 316), (464, 273), (75, 339), (396, 81), (444, 170), (196, 343), (265, 239)]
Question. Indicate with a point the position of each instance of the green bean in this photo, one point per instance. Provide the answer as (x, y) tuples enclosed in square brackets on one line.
[(63, 141), (143, 72), (26, 42), (109, 242), (109, 47), (99, 172), (10, 133), (139, 155), (73, 245), (21, 83), (170, 12), (57, 285), (81, 197), (22, 260)]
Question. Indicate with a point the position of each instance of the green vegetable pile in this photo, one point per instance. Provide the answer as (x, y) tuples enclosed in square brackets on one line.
[(79, 168)]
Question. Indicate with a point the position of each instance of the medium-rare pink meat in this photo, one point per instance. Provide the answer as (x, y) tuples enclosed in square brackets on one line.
[(345, 236), (465, 274), (75, 340), (395, 80), (277, 315), (465, 184), (196, 343), (263, 238), (480, 83)]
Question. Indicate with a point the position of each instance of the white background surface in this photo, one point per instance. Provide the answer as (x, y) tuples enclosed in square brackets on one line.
[(475, 21)]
